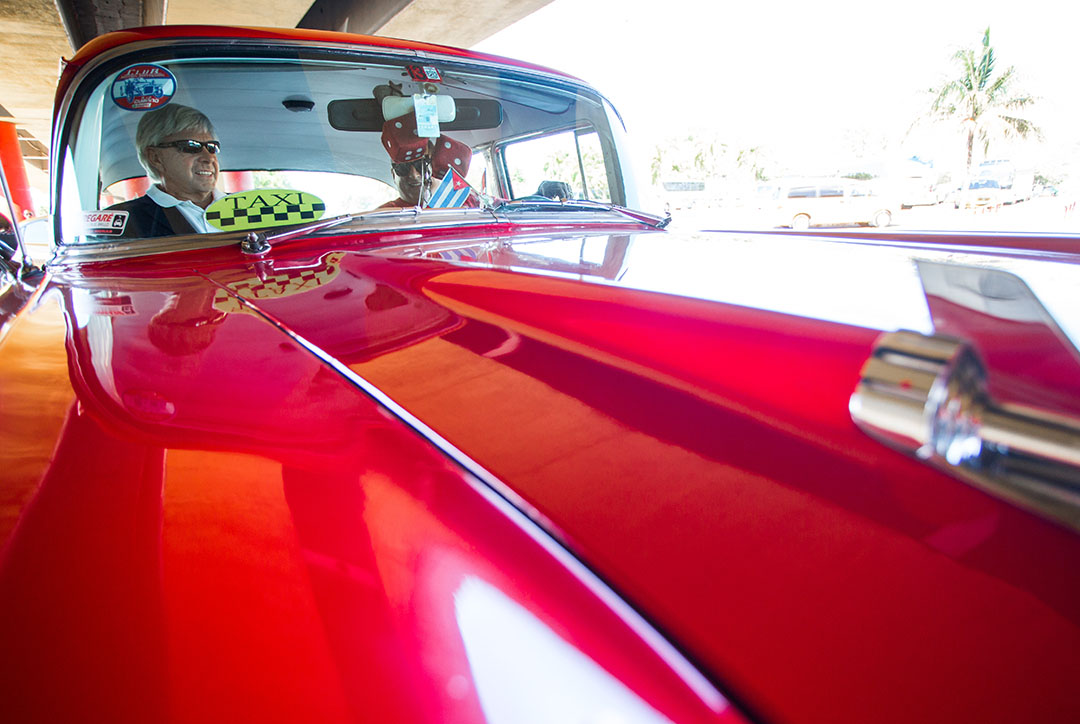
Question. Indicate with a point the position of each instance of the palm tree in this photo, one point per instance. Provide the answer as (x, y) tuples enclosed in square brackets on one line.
[(986, 106)]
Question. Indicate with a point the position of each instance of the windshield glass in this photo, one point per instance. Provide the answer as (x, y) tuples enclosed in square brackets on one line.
[(161, 146)]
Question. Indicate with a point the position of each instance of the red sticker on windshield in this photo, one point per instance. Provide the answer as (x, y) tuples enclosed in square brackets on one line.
[(143, 87), (424, 73)]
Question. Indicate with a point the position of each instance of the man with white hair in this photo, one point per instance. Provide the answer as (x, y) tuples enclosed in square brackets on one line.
[(179, 150)]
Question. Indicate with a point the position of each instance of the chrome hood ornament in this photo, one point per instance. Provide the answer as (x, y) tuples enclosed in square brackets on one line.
[(929, 395)]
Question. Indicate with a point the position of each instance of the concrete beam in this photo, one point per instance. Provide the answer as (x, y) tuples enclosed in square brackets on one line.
[(449, 22), (153, 12), (463, 23), (265, 13), (364, 17), (84, 20), (32, 41)]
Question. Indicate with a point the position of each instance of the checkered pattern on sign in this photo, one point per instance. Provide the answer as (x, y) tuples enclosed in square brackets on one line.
[(278, 285), (254, 215), (283, 283)]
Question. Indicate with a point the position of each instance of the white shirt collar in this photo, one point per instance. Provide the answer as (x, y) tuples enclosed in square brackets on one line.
[(165, 199)]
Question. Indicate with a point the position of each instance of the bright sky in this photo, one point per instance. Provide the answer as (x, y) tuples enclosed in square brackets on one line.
[(800, 78)]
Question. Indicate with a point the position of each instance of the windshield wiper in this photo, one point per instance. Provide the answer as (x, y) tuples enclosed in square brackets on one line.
[(527, 204)]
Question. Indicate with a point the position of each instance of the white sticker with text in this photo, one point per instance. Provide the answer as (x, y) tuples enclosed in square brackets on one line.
[(427, 115), (105, 223)]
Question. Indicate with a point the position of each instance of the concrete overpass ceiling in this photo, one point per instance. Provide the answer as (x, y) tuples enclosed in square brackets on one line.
[(36, 34), (265, 13), (32, 41), (462, 23)]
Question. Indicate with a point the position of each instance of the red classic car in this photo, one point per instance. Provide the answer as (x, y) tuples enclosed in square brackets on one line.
[(357, 390)]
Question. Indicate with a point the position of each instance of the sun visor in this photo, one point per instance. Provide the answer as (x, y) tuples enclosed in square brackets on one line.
[(366, 114)]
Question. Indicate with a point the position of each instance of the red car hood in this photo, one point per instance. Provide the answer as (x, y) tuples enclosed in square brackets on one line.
[(687, 437)]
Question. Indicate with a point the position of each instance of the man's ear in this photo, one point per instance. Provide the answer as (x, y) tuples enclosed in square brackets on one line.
[(153, 157)]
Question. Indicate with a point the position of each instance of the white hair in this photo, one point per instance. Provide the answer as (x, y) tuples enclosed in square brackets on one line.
[(159, 124)]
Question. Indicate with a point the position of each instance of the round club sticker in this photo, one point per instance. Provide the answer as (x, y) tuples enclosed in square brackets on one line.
[(143, 87)]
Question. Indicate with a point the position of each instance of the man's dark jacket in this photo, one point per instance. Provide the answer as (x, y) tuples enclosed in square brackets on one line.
[(146, 218)]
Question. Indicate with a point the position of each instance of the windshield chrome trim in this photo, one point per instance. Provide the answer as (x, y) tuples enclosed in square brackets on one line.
[(129, 248), (377, 222)]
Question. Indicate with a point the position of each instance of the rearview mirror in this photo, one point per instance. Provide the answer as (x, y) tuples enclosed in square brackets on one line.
[(366, 114), (397, 106)]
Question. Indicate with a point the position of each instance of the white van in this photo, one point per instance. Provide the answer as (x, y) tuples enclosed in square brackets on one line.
[(829, 202)]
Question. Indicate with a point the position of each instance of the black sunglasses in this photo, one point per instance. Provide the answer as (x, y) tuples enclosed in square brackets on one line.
[(403, 168), (188, 145)]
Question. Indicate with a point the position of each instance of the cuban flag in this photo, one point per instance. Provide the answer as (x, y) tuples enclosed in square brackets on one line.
[(451, 191)]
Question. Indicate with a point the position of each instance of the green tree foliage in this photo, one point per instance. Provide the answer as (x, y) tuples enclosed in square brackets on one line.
[(686, 158), (985, 104), (269, 180), (697, 157), (564, 166), (1044, 180)]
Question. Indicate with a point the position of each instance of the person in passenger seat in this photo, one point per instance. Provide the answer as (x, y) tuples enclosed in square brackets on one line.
[(179, 149), (410, 178), (418, 164)]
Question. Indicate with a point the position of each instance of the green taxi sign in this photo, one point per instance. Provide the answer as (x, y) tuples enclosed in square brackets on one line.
[(260, 208)]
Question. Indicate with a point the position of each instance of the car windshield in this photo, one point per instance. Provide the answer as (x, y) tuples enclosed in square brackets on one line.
[(178, 142)]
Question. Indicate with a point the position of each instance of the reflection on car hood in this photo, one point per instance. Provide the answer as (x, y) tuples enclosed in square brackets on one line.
[(675, 410)]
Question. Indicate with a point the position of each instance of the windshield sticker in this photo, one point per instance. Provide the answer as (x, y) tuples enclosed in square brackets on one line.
[(423, 73), (105, 223), (143, 87), (261, 208), (427, 115)]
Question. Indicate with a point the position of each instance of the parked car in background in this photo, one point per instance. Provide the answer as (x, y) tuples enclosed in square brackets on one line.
[(801, 203), (431, 423), (1015, 183), (981, 193)]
